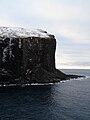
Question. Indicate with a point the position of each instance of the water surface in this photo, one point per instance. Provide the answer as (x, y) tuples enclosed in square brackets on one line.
[(64, 101)]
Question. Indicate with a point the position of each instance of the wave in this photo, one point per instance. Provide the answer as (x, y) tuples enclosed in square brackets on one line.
[(86, 77), (24, 85), (80, 78)]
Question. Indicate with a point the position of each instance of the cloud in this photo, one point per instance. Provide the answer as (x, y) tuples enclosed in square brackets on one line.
[(73, 56), (4, 22), (71, 65), (70, 20)]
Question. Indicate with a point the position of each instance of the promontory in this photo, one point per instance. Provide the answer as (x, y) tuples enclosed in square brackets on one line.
[(28, 56)]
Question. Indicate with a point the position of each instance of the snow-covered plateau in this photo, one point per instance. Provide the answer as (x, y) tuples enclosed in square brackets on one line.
[(6, 32)]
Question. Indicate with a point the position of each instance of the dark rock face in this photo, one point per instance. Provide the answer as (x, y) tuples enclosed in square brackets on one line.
[(29, 60), (38, 52), (10, 58)]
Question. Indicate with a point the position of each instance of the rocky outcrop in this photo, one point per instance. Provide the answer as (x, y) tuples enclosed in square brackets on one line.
[(28, 57)]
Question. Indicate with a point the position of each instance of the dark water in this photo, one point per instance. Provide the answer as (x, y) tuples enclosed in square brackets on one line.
[(65, 101)]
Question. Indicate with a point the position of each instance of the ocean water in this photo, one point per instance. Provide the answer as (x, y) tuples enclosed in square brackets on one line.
[(68, 100)]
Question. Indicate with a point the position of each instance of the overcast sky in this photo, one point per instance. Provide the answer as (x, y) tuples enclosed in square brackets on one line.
[(68, 20)]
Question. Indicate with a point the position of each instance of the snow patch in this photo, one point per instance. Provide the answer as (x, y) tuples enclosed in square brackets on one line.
[(20, 43), (22, 32)]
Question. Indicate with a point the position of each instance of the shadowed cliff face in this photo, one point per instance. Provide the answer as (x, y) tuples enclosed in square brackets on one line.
[(38, 52), (27, 58), (10, 57)]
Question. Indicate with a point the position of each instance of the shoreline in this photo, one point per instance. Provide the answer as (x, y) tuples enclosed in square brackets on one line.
[(2, 85)]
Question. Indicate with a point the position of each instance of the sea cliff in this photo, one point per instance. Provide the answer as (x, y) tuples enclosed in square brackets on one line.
[(28, 56)]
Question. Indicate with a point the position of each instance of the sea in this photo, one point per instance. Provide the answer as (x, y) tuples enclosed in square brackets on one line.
[(66, 100)]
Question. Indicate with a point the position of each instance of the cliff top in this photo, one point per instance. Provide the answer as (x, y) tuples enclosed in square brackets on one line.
[(14, 32)]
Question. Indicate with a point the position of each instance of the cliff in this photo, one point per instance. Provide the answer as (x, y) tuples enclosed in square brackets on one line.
[(28, 56)]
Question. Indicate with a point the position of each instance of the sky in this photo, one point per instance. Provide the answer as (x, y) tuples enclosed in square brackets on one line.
[(68, 20)]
